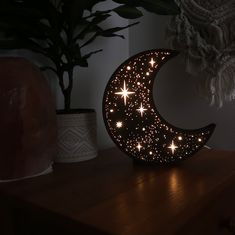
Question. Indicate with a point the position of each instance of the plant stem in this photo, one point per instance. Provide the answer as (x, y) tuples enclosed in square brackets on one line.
[(68, 91), (67, 100)]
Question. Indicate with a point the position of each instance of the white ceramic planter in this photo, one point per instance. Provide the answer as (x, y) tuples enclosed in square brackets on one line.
[(77, 137)]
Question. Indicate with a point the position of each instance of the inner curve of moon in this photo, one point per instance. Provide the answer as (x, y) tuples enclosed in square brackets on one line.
[(133, 121)]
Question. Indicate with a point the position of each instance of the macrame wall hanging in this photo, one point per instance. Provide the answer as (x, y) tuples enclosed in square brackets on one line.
[(204, 32)]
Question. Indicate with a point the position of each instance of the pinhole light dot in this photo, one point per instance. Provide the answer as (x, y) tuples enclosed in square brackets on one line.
[(119, 124)]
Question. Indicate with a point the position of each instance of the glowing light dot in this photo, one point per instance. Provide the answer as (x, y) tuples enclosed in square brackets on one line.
[(180, 138), (128, 68), (173, 147), (199, 139), (141, 109), (143, 129), (147, 73), (111, 110), (139, 146), (150, 152), (152, 62), (138, 83), (119, 124)]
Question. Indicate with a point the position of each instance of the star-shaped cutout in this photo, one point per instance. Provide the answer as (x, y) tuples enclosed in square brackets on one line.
[(141, 109), (139, 146), (152, 62), (173, 147), (124, 93)]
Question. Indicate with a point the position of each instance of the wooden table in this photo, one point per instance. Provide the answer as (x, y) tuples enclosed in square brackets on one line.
[(111, 195)]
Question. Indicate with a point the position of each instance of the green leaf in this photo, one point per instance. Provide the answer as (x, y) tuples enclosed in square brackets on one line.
[(90, 40), (87, 56), (72, 11), (161, 7), (108, 33), (128, 2), (92, 26), (128, 12), (91, 3), (82, 62), (122, 1), (75, 52), (100, 18), (111, 32)]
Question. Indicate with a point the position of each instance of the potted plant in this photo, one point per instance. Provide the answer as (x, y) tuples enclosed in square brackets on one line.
[(60, 30)]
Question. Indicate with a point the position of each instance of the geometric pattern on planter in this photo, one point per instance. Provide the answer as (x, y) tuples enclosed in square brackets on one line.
[(76, 137), (68, 139)]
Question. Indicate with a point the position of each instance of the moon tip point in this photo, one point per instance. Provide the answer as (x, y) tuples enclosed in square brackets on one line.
[(175, 52), (212, 126)]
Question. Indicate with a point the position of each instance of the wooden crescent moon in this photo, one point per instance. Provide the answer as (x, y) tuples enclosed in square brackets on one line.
[(133, 121)]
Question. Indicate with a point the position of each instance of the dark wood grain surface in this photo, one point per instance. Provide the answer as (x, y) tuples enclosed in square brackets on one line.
[(111, 195)]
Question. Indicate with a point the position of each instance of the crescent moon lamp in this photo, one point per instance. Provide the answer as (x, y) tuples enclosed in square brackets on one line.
[(132, 120)]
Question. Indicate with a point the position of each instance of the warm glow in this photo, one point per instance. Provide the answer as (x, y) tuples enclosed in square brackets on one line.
[(141, 109), (124, 93), (118, 124), (132, 119), (173, 147), (139, 146), (152, 62)]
